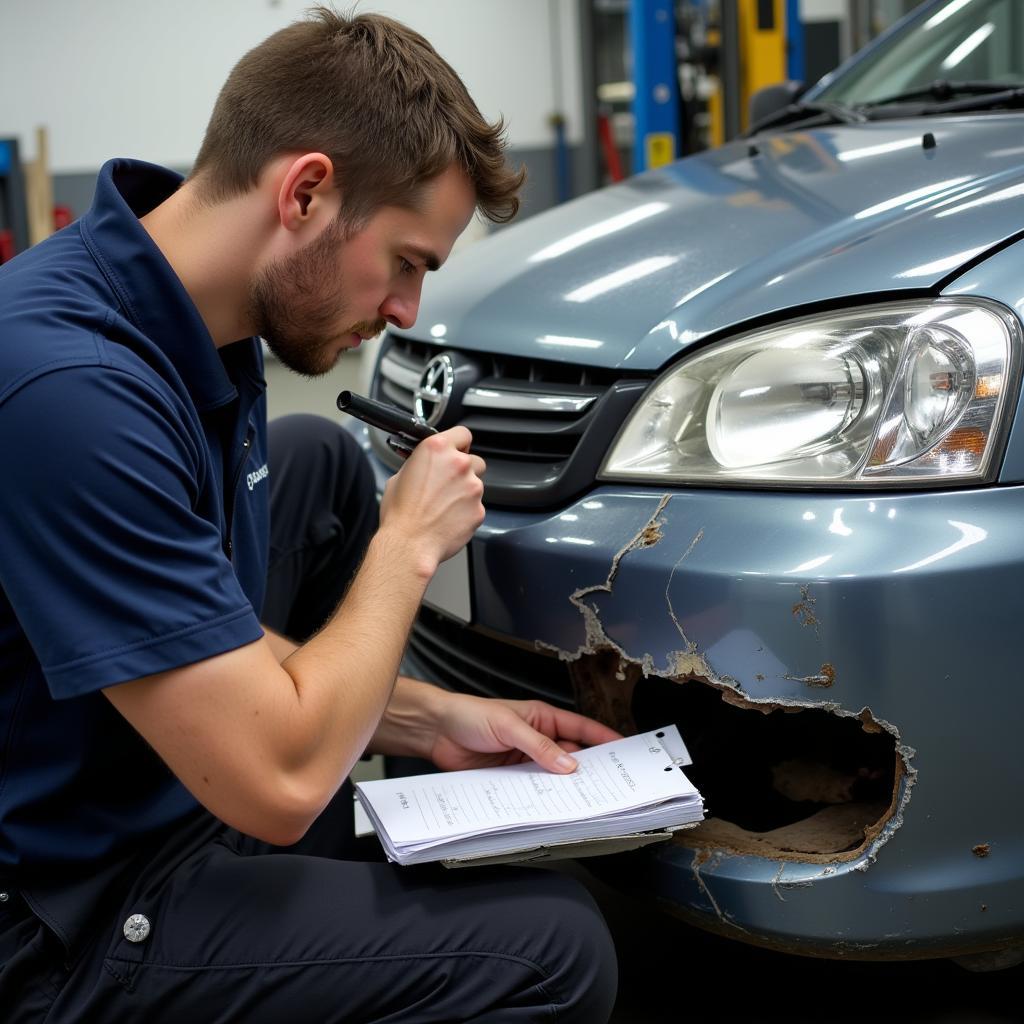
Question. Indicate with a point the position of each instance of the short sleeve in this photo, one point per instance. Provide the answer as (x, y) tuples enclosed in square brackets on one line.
[(110, 569)]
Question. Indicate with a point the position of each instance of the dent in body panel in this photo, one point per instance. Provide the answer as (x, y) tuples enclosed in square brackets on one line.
[(607, 679)]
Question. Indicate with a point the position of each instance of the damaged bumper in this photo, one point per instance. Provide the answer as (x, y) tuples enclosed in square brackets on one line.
[(841, 668)]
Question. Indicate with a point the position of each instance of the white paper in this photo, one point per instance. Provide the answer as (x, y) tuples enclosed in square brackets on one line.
[(621, 786), (362, 826)]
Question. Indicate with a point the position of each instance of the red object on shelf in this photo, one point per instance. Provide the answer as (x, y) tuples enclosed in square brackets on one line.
[(6, 246), (611, 154), (62, 217)]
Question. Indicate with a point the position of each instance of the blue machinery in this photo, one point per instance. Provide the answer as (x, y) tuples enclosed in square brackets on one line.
[(652, 30), (761, 43)]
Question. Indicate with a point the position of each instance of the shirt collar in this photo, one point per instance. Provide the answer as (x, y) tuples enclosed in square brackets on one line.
[(153, 297)]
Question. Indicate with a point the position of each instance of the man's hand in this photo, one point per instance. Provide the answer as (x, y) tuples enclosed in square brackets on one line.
[(477, 733), (458, 731), (434, 499)]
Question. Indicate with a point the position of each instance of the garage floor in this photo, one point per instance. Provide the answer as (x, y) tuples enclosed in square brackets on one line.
[(724, 980), (287, 392)]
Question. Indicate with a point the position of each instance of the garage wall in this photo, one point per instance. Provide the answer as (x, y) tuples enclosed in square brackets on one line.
[(139, 77), (827, 35)]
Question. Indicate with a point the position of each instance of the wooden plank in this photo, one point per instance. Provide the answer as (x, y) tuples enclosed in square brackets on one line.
[(39, 190)]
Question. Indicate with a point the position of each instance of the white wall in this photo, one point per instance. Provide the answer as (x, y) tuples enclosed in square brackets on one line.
[(824, 10), (139, 77)]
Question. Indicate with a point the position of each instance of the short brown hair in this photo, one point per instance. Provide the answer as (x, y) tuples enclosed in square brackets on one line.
[(371, 94)]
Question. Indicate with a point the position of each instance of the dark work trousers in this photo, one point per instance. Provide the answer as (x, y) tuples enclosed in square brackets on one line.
[(239, 931)]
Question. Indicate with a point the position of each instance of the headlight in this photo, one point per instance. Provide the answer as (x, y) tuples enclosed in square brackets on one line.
[(907, 392)]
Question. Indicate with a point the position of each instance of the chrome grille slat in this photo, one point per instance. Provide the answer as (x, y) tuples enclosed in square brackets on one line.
[(402, 374), (542, 425), (495, 396), (396, 394), (507, 400)]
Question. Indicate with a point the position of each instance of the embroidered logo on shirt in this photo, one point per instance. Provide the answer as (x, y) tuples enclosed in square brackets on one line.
[(252, 479)]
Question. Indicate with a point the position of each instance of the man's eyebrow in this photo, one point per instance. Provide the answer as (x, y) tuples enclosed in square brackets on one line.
[(429, 259)]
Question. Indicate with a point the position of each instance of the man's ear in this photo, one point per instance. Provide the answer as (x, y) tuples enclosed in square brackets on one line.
[(307, 197)]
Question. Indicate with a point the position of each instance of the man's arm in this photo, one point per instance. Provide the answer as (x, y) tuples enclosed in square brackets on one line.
[(458, 731), (264, 745), (281, 647)]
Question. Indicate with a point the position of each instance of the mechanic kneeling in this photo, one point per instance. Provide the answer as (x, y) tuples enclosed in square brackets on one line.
[(173, 819)]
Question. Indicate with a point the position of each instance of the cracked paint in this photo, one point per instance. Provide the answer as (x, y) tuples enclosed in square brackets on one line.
[(776, 878), (713, 860), (778, 884), (678, 663), (596, 637), (688, 663), (690, 647)]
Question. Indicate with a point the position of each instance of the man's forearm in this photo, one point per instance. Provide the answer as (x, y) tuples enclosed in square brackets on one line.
[(408, 726), (344, 676)]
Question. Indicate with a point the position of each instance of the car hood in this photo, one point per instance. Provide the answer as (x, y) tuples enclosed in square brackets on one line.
[(629, 276)]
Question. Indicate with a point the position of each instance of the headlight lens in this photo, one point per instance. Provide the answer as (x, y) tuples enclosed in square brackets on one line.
[(903, 392)]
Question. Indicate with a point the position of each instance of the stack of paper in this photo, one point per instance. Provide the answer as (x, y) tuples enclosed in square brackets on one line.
[(627, 788)]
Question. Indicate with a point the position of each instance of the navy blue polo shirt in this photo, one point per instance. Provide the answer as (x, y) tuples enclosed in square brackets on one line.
[(133, 521)]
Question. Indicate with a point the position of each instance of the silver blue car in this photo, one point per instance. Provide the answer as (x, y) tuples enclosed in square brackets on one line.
[(756, 467)]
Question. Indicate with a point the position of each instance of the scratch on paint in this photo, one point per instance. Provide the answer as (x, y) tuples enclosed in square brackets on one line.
[(700, 858), (776, 878), (668, 587)]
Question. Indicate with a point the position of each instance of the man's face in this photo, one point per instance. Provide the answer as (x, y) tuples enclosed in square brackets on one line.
[(339, 289)]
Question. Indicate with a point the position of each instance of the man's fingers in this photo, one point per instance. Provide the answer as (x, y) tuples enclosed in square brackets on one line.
[(580, 729), (538, 747), (459, 437)]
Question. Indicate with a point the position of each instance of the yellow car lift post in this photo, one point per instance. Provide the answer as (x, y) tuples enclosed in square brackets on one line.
[(761, 43)]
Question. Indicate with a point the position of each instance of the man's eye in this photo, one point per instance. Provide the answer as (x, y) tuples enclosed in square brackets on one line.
[(405, 266)]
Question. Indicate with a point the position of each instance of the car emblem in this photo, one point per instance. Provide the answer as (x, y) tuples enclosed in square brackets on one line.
[(434, 390)]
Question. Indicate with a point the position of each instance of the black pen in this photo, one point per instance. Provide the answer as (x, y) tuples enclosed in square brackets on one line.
[(406, 431)]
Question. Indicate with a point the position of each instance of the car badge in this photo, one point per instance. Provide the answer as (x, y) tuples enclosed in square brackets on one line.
[(434, 390)]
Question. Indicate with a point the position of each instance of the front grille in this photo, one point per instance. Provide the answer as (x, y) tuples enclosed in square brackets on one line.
[(463, 659), (543, 427)]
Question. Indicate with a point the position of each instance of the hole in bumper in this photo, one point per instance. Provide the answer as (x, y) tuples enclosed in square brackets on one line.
[(779, 781)]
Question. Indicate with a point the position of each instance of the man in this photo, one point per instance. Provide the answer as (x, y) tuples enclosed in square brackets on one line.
[(159, 746)]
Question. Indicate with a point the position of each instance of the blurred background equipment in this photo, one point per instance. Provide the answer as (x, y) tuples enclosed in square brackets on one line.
[(27, 211), (578, 123), (13, 209), (674, 77)]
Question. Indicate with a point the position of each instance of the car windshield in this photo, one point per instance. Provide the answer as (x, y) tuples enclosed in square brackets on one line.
[(960, 40)]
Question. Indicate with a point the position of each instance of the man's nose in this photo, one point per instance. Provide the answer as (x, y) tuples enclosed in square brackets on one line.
[(401, 310)]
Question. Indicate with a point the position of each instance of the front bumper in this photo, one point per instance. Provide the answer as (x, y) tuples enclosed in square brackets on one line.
[(905, 605)]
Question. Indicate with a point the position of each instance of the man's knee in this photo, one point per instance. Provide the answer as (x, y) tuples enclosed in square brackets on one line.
[(323, 511), (585, 967), (310, 438), (320, 478)]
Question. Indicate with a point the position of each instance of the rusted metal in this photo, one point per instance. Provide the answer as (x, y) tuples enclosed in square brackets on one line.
[(825, 678)]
